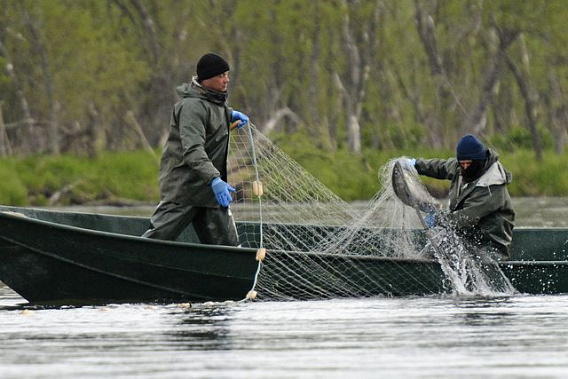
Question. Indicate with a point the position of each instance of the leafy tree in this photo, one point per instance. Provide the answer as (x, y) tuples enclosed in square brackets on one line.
[(90, 75)]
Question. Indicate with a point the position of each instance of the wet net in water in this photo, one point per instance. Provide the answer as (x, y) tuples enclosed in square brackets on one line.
[(320, 247)]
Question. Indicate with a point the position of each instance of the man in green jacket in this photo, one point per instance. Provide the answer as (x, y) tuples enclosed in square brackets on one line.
[(193, 170), (480, 207)]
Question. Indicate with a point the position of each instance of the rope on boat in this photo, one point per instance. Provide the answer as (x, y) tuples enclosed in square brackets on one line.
[(258, 191)]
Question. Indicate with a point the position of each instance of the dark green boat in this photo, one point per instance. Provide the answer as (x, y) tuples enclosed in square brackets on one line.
[(51, 257), (64, 257)]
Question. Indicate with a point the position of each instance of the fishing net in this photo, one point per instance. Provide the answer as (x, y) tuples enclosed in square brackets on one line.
[(315, 245)]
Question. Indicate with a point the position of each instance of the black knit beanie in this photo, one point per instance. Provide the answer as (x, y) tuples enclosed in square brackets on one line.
[(211, 65), (470, 147)]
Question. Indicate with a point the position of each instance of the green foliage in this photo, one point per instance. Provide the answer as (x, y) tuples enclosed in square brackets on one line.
[(133, 176), (87, 64), (520, 139), (350, 176), (12, 190), (354, 177), (105, 58), (104, 71), (129, 175), (533, 178), (75, 180)]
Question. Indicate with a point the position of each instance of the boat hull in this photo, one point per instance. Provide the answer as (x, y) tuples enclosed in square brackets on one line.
[(51, 257), (537, 277), (46, 262)]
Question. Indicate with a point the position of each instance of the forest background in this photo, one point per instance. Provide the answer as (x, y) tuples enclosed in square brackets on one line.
[(87, 86)]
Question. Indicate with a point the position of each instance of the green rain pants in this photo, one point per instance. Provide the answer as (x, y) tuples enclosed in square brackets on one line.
[(213, 226)]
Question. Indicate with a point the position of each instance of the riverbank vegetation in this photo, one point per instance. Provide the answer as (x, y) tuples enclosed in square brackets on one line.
[(132, 178), (87, 87)]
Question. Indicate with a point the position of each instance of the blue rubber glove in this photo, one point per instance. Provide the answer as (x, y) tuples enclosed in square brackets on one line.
[(430, 220), (222, 192), (408, 163), (243, 118)]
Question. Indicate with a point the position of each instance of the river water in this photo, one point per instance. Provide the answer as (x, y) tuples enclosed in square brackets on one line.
[(412, 337)]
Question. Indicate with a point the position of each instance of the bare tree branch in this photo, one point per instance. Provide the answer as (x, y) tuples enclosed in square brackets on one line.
[(524, 87), (477, 119)]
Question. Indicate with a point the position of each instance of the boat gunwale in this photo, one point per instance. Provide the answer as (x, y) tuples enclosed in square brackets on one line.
[(530, 263), (121, 235), (10, 212), (204, 246)]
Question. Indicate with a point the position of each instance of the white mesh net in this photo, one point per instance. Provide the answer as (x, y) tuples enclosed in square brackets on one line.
[(318, 246)]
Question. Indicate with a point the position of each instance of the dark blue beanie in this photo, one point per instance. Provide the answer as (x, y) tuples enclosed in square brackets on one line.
[(470, 147)]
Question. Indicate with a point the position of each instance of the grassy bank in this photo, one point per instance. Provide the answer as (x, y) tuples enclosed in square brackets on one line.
[(121, 178), (65, 180)]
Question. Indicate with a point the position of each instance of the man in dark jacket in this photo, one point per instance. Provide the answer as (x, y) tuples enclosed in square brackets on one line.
[(193, 170), (480, 206)]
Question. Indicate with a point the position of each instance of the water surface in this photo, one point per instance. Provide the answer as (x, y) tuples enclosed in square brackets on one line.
[(412, 337), (426, 337)]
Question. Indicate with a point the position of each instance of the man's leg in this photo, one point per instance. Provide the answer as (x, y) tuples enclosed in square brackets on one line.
[(169, 220), (216, 226)]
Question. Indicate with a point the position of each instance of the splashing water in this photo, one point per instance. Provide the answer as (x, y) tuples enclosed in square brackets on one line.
[(469, 269)]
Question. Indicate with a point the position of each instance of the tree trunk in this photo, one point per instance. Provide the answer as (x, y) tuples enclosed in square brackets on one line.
[(5, 148), (150, 30), (441, 125), (278, 115), (318, 123), (559, 113), (28, 121), (131, 121), (477, 119), (52, 125), (95, 132), (352, 85), (524, 87)]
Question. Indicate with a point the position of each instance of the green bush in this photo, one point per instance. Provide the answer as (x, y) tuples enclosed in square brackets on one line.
[(519, 138), (12, 190), (134, 175), (77, 180)]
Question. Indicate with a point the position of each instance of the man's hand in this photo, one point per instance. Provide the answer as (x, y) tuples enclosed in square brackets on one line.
[(407, 163), (238, 116), (222, 192)]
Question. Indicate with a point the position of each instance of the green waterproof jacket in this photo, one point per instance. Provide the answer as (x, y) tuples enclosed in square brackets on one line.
[(480, 210), (197, 147)]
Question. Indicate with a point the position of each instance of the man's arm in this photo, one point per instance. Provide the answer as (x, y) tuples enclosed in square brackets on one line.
[(437, 168)]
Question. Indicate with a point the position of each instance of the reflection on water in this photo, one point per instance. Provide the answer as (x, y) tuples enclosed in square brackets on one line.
[(202, 328), (520, 336)]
